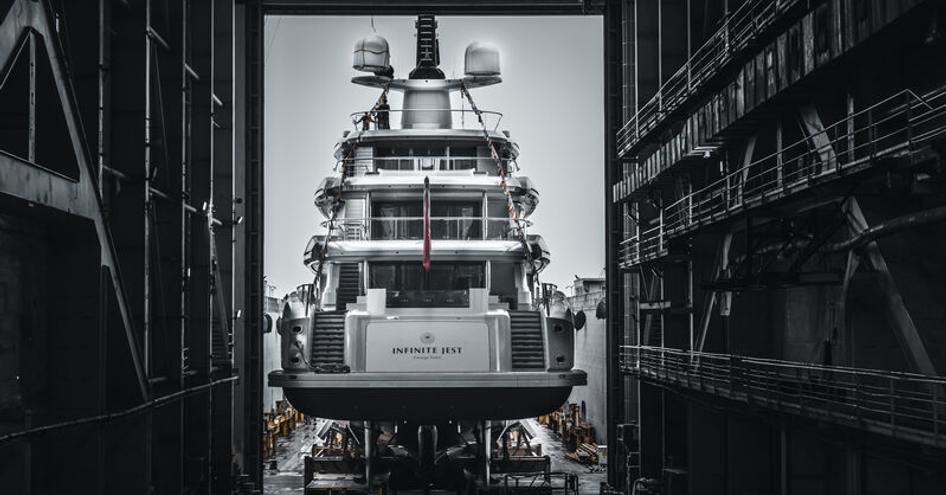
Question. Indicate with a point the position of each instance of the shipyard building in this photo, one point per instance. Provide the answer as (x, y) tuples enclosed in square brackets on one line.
[(771, 320), (776, 236)]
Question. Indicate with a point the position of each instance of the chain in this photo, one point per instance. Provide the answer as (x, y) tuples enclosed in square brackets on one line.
[(510, 204)]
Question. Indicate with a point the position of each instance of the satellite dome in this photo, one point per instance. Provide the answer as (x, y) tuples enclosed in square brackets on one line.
[(482, 59), (371, 54)]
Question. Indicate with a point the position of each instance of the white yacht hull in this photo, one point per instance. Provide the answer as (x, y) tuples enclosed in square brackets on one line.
[(426, 397)]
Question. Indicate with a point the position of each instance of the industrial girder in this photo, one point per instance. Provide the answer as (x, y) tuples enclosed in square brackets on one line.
[(438, 7), (28, 25)]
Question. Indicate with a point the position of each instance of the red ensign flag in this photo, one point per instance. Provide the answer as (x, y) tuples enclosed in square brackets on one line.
[(426, 261)]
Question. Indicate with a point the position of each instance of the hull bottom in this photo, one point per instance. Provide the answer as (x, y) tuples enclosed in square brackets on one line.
[(401, 400), (422, 405)]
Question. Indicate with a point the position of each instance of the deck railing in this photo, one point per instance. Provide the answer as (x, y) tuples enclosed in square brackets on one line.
[(545, 483), (412, 228), (460, 118), (895, 127), (903, 405), (736, 33), (393, 165)]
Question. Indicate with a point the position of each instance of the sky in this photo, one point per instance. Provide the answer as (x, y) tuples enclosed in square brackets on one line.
[(551, 98)]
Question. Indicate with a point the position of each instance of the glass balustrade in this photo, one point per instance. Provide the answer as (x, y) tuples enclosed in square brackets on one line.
[(441, 228)]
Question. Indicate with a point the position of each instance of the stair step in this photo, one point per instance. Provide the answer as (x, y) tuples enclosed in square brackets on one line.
[(526, 340), (328, 339)]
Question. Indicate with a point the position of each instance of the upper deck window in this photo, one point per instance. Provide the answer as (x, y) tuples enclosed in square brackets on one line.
[(429, 158), (435, 157), (462, 157), (403, 220), (388, 158)]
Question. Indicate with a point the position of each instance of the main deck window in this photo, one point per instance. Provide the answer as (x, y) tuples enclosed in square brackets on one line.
[(443, 275), (445, 285)]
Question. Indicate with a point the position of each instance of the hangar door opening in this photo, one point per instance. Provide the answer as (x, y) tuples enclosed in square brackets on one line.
[(411, 274)]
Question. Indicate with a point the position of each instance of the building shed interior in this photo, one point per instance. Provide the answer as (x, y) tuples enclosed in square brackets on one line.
[(774, 291)]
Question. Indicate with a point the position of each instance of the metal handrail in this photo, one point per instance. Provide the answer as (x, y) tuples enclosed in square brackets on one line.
[(369, 164), (733, 180), (417, 157), (735, 34), (630, 252), (901, 404), (411, 228), (544, 482), (356, 117), (896, 124)]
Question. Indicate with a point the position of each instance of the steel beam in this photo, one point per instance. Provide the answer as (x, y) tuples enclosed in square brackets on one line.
[(253, 239), (614, 231), (29, 182), (813, 127), (437, 7), (225, 429), (911, 342)]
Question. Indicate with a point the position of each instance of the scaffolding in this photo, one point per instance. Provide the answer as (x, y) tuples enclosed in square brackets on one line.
[(873, 139), (691, 118), (902, 405), (738, 32)]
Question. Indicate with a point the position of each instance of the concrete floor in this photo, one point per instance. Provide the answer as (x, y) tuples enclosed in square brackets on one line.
[(589, 477), (287, 477)]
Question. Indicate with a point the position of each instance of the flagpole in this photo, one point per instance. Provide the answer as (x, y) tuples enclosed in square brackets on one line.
[(426, 261)]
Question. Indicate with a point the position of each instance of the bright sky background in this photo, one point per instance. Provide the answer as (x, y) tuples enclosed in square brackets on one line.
[(551, 98)]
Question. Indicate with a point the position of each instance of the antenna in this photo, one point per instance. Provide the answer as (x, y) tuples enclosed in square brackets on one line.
[(428, 49)]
